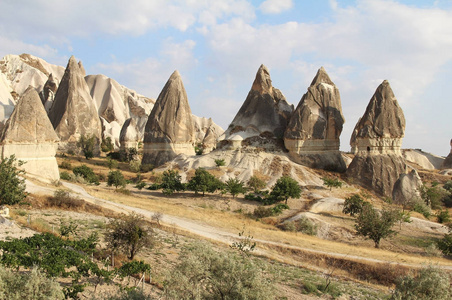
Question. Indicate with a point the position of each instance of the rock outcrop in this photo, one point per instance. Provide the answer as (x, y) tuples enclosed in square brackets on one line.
[(312, 135), (206, 133), (29, 135), (264, 114), (115, 104), (378, 162), (447, 164), (407, 188), (74, 113), (423, 159), (48, 93), (169, 130)]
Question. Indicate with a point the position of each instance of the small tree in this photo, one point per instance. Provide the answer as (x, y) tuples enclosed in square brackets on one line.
[(332, 182), (235, 187), (107, 145), (12, 186), (86, 145), (129, 234), (285, 188), (171, 182), (116, 178), (353, 205), (429, 283), (87, 173), (220, 162), (256, 184), (376, 225), (204, 182)]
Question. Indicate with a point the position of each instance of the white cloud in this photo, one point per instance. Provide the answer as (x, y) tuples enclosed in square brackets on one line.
[(275, 6)]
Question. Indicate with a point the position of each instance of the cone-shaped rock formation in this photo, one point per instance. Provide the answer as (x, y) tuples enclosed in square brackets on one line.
[(447, 163), (312, 135), (169, 130), (378, 135), (73, 113), (264, 113), (29, 135)]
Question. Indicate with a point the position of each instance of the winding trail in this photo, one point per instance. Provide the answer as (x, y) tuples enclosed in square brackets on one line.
[(202, 230)]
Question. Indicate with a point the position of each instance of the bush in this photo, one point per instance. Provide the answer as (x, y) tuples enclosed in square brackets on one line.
[(204, 182), (86, 145), (234, 187), (114, 155), (63, 199), (135, 166), (354, 205), (332, 182), (87, 173), (262, 212), (171, 182), (12, 187), (429, 283), (129, 235), (445, 244), (443, 217), (305, 226), (199, 149), (278, 208), (107, 145), (140, 185), (111, 163), (65, 176), (256, 184), (220, 162), (422, 208), (65, 165), (116, 178), (28, 285), (146, 168), (154, 187), (204, 273), (285, 188)]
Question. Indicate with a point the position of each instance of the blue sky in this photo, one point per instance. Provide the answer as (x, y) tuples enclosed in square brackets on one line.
[(218, 46)]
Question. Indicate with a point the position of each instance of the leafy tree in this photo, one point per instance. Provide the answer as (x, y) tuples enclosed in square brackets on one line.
[(86, 145), (116, 178), (204, 182), (171, 182), (332, 182), (30, 285), (429, 283), (285, 188), (107, 145), (87, 173), (434, 195), (129, 234), (376, 225), (203, 273), (220, 162), (445, 244), (354, 205), (234, 187), (256, 183), (12, 186)]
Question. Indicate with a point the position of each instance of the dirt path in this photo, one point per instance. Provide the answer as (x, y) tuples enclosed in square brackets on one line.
[(197, 228)]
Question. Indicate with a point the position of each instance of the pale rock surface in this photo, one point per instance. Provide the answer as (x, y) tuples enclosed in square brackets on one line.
[(378, 137), (169, 130), (312, 135), (115, 104), (425, 160), (407, 188), (206, 133), (29, 135), (447, 164), (74, 113), (17, 72), (265, 113), (48, 92)]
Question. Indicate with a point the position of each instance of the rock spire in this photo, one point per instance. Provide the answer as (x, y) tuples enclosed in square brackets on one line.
[(312, 135), (29, 135), (169, 130), (74, 113)]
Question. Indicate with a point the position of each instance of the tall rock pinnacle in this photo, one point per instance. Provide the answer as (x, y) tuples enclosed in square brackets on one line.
[(312, 135), (29, 135), (377, 139), (169, 130), (74, 113), (265, 112)]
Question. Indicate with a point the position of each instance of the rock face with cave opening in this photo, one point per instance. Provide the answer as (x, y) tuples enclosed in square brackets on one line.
[(169, 130), (263, 116), (312, 135), (377, 139), (74, 113), (29, 135)]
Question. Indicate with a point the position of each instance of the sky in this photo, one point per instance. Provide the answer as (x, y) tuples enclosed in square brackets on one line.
[(218, 46)]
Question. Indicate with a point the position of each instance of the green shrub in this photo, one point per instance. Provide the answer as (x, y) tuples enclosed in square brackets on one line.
[(86, 145), (28, 285), (63, 199), (135, 166), (422, 208), (443, 216), (353, 205), (116, 178), (256, 184), (278, 208), (305, 226), (12, 185), (144, 168), (332, 182), (65, 176), (429, 283), (65, 165), (445, 244), (107, 145), (234, 187), (220, 162), (87, 173), (154, 187), (140, 185), (262, 212)]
